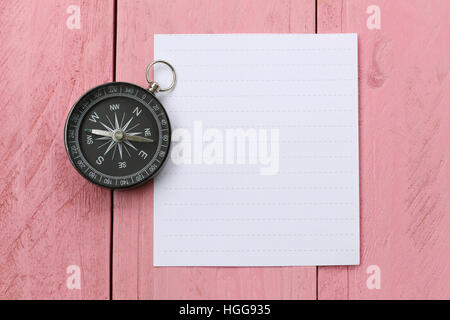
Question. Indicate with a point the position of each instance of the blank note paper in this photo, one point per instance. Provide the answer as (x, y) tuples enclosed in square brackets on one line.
[(263, 169)]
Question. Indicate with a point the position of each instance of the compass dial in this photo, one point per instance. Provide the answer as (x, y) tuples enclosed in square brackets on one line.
[(117, 135)]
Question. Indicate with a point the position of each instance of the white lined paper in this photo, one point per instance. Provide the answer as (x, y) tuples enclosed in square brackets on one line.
[(306, 210)]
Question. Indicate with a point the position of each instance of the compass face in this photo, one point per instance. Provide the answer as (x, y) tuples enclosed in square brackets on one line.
[(117, 135)]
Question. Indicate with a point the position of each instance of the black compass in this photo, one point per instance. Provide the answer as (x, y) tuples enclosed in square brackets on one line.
[(117, 135)]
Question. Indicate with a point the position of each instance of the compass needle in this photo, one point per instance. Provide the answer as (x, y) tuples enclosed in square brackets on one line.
[(137, 138), (100, 132)]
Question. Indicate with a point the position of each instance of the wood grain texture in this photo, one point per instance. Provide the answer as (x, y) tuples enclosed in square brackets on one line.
[(134, 275), (50, 217), (404, 154)]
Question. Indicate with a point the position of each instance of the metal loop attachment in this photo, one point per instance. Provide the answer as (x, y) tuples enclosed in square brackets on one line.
[(154, 86)]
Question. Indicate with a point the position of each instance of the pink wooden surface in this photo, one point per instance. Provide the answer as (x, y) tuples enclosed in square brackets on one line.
[(404, 149), (134, 275), (50, 217)]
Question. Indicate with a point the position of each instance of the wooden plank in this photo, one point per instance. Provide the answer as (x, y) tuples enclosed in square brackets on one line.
[(404, 131), (50, 217), (133, 273)]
